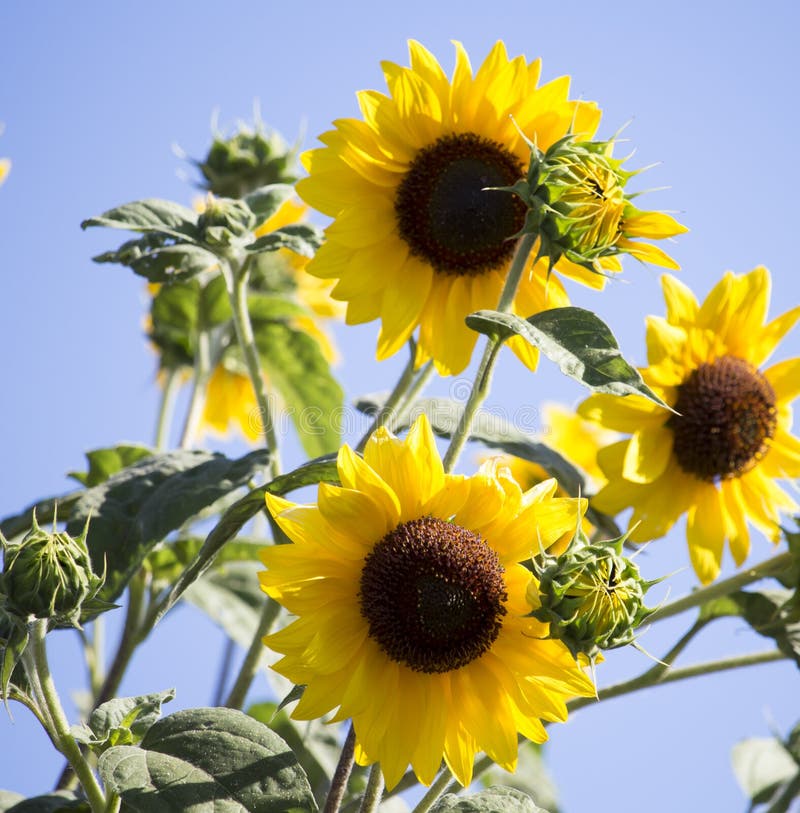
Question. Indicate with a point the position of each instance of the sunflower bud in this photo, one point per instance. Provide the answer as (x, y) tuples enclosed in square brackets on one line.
[(246, 161), (592, 596), (578, 207), (224, 221), (47, 575)]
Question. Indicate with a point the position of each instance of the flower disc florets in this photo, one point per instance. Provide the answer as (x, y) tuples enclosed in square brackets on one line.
[(577, 205), (47, 575), (592, 596)]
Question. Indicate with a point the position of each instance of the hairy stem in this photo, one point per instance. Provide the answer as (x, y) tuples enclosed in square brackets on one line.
[(341, 774), (373, 791), (172, 383), (481, 386), (434, 792)]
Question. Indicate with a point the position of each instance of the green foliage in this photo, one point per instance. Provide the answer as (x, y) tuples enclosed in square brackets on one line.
[(314, 743), (768, 770), (301, 238), (105, 462), (531, 777), (265, 201), (121, 721), (494, 800), (577, 340), (55, 802), (137, 507), (151, 216), (210, 761), (768, 612), (14, 638)]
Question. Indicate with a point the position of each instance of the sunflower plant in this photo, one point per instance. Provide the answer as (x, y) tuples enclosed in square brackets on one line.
[(423, 620)]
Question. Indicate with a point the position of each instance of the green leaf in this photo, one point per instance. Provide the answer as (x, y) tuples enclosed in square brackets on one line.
[(298, 370), (136, 508), (232, 599), (577, 340), (168, 561), (266, 200), (301, 238), (53, 802), (273, 308), (208, 761), (151, 215), (766, 611), (159, 258), (231, 522), (121, 721), (494, 800), (105, 462), (763, 767), (497, 432), (14, 638), (18, 524), (314, 743)]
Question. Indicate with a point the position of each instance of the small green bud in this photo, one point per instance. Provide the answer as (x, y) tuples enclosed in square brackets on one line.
[(592, 596), (225, 221), (47, 575), (248, 160)]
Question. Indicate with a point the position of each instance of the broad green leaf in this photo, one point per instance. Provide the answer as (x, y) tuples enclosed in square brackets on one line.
[(231, 522), (136, 508), (105, 462), (151, 215), (266, 200), (159, 258), (46, 510), (301, 238), (531, 777), (209, 761), (497, 432), (272, 307), (494, 800), (577, 340), (168, 561), (765, 611), (761, 765), (231, 598), (53, 802), (121, 721), (297, 368), (314, 743)]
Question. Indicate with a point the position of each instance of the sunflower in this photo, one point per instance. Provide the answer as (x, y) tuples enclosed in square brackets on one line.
[(412, 617), (418, 238), (716, 457), (5, 166)]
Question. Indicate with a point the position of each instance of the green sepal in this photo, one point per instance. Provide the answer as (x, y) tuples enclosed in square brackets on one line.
[(577, 340), (189, 759), (14, 639), (121, 721)]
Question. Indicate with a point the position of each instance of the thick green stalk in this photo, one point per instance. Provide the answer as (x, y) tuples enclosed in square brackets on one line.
[(236, 280), (481, 386), (373, 791), (252, 659), (202, 372), (166, 407), (60, 733), (769, 567), (434, 792)]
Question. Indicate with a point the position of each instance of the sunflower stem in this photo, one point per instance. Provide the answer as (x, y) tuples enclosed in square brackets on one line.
[(252, 659), (387, 410), (725, 587), (166, 408), (420, 382), (60, 733), (341, 774), (434, 792), (202, 371), (373, 791), (237, 276), (482, 384)]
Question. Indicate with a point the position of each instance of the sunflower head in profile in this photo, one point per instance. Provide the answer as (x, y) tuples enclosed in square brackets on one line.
[(411, 609), (717, 456)]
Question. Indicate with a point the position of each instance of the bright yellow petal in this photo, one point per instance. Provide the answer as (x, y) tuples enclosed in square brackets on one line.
[(705, 533)]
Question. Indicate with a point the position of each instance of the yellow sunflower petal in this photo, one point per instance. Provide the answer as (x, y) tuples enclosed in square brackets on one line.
[(648, 455), (705, 533)]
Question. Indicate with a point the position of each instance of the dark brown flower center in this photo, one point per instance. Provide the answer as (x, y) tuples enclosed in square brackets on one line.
[(446, 214), (433, 595), (727, 417)]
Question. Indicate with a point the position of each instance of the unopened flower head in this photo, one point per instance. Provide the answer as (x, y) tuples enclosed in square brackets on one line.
[(575, 191), (592, 596), (224, 221), (247, 160), (47, 575)]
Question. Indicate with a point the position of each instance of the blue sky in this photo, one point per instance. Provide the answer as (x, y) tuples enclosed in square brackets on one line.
[(93, 97)]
